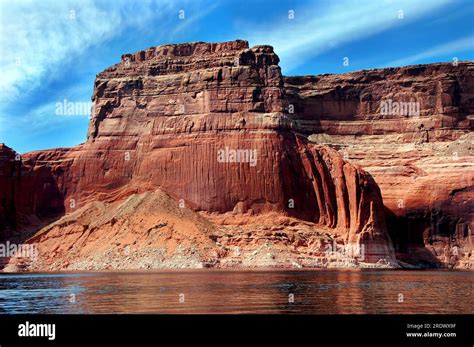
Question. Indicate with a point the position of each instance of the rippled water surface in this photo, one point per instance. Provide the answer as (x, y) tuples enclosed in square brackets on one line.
[(226, 291)]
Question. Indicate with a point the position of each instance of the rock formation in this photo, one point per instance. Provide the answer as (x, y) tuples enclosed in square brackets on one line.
[(205, 155), (422, 160)]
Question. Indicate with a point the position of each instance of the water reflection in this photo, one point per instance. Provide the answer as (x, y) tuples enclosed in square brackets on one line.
[(227, 291)]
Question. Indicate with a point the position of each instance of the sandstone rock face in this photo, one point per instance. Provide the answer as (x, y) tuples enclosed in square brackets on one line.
[(151, 230), (221, 132), (422, 160), (7, 184)]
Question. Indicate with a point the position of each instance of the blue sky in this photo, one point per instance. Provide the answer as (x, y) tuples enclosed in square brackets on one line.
[(51, 50)]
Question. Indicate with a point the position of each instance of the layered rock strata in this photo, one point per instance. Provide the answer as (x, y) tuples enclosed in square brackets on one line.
[(411, 129), (219, 131)]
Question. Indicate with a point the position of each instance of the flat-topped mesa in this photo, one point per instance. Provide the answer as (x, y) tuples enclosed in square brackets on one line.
[(206, 124), (179, 58), (185, 49), (173, 118), (189, 88), (409, 100)]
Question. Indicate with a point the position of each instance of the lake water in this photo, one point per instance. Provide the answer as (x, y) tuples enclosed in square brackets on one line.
[(232, 291)]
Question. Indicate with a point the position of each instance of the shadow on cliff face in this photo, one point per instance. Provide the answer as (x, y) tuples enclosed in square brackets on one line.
[(31, 201), (297, 186), (421, 237)]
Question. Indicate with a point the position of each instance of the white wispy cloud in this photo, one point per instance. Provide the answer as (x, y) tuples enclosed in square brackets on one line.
[(323, 27), (449, 48), (42, 117), (38, 37)]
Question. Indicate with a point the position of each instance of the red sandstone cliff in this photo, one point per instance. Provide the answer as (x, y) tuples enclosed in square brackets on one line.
[(160, 119), (422, 161)]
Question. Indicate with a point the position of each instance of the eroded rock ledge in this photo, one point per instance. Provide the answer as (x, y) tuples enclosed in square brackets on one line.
[(160, 118)]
